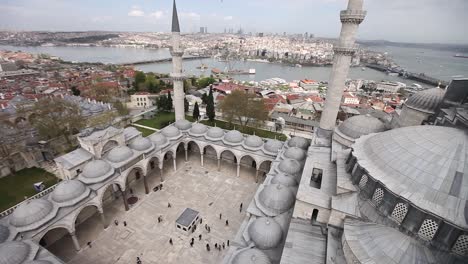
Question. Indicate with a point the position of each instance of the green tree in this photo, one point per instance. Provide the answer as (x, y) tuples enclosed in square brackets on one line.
[(210, 108), (121, 108), (57, 117), (205, 99), (140, 79), (205, 81), (186, 105), (244, 107), (196, 111), (161, 103), (169, 101)]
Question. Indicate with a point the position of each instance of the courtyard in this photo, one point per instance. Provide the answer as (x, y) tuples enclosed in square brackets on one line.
[(205, 189)]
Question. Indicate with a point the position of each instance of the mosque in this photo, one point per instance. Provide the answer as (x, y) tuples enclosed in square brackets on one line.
[(365, 191)]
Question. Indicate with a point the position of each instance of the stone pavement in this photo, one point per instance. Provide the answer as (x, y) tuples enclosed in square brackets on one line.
[(203, 189)]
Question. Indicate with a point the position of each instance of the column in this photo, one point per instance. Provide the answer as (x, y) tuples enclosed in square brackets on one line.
[(256, 176), (201, 159), (238, 169), (174, 161), (186, 155), (124, 198), (219, 164), (145, 181), (161, 173), (76, 244), (103, 218)]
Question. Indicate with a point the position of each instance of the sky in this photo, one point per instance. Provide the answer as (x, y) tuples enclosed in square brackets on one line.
[(422, 21)]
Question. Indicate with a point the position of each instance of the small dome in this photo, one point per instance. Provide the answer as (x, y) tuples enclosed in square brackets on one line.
[(4, 233), (159, 139), (284, 180), (68, 190), (298, 142), (96, 168), (295, 153), (233, 136), (360, 125), (276, 199), (14, 252), (198, 129), (265, 232), (215, 133), (183, 124), (290, 166), (250, 256), (253, 141), (426, 101), (141, 144), (30, 212), (273, 145), (119, 154), (171, 132)]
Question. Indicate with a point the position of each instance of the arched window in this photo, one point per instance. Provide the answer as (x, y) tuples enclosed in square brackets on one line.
[(428, 229), (461, 246), (363, 181), (378, 196), (399, 212)]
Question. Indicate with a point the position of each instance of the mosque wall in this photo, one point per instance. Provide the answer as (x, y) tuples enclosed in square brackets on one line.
[(411, 117), (303, 210), (54, 235)]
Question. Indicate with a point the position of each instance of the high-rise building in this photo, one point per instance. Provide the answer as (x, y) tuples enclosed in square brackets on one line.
[(202, 30), (177, 75), (344, 51)]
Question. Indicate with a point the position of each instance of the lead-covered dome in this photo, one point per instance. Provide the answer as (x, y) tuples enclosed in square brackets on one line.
[(183, 124), (30, 212), (14, 252), (295, 153), (265, 232), (427, 101), (159, 140), (298, 142), (285, 180), (275, 199), (253, 141), (250, 256), (4, 233), (198, 129), (171, 132), (119, 154), (423, 164), (141, 144), (290, 166), (360, 125), (215, 133), (69, 191), (233, 137), (273, 145), (96, 169)]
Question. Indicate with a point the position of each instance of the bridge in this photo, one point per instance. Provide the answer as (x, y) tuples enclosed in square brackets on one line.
[(161, 60)]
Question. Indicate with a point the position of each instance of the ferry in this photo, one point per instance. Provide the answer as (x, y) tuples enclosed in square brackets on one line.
[(461, 56)]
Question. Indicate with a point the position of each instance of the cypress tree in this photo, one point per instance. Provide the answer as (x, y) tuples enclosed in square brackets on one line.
[(169, 101), (196, 111), (210, 109)]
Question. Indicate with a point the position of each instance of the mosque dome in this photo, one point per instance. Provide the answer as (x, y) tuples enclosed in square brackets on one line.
[(96, 169), (119, 154), (171, 132), (250, 256), (360, 125), (290, 166), (298, 142), (253, 141), (38, 262), (426, 101), (4, 233), (30, 212), (68, 190), (285, 180), (265, 232), (233, 137), (273, 145), (275, 199), (421, 164), (159, 139), (14, 252), (198, 129), (215, 133), (295, 153), (183, 124), (141, 144)]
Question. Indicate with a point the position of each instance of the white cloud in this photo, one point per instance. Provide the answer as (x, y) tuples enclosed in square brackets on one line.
[(228, 18), (136, 12)]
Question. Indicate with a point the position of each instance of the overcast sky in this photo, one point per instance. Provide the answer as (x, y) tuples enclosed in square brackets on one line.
[(432, 21)]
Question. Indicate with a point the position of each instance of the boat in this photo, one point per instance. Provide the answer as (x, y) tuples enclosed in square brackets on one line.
[(461, 56), (202, 67), (216, 71), (298, 66), (363, 68)]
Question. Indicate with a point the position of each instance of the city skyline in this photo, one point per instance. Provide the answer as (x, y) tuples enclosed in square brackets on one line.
[(398, 20)]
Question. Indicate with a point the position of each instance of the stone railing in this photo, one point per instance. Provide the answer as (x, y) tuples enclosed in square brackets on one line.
[(352, 16), (37, 196)]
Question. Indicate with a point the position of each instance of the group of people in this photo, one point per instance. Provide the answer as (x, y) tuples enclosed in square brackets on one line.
[(116, 222)]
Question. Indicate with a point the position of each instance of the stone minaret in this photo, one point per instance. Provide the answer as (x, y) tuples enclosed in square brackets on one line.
[(344, 51), (177, 75)]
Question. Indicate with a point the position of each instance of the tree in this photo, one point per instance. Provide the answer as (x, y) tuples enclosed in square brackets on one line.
[(244, 107), (102, 92), (169, 102), (204, 82), (205, 99), (140, 79), (210, 109), (161, 103), (196, 111), (121, 108), (75, 91), (186, 105), (57, 117)]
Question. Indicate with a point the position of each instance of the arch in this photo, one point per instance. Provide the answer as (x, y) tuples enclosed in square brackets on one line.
[(210, 152), (105, 188), (315, 213), (134, 175), (265, 165), (78, 212), (108, 146), (130, 170), (228, 156), (58, 241), (193, 146), (251, 161), (152, 164)]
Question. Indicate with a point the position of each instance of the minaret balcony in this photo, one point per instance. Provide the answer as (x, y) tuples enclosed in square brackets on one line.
[(177, 53), (352, 16), (178, 76), (347, 51)]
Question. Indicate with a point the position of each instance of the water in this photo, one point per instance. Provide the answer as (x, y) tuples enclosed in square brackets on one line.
[(439, 64)]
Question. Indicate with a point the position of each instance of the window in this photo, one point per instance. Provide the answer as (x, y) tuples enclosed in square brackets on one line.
[(185, 229), (316, 179), (399, 212), (428, 229), (378, 196), (363, 181), (461, 246)]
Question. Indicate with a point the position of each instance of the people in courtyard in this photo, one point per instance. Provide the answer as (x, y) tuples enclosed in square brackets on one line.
[(228, 243), (89, 244), (227, 222), (169, 205), (170, 241), (216, 245), (116, 222), (223, 245), (208, 247), (220, 216), (160, 186), (199, 237), (240, 207), (125, 223), (191, 244)]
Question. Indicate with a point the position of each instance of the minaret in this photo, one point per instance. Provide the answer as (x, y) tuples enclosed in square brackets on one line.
[(344, 51), (177, 75)]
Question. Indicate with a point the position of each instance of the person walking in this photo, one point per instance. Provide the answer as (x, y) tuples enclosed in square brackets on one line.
[(170, 241), (216, 245), (227, 222), (206, 227), (125, 223), (199, 237), (223, 245), (220, 215), (169, 205), (240, 208), (207, 247), (191, 244), (116, 222), (193, 240), (228, 243)]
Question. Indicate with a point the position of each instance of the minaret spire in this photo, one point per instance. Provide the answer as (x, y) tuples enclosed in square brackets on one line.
[(175, 19), (177, 74)]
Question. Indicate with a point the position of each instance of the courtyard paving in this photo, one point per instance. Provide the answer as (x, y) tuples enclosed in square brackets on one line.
[(201, 188)]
